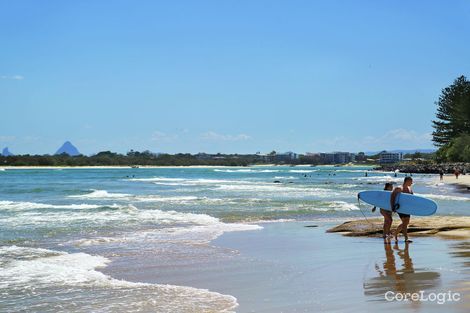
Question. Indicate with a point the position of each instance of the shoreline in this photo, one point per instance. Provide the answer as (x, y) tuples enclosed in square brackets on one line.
[(444, 227), (426, 168), (27, 167), (463, 182), (280, 268)]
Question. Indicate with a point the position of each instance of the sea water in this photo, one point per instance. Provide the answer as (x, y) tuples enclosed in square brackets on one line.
[(60, 228)]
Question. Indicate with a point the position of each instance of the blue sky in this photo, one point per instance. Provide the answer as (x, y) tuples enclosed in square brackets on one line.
[(226, 76)]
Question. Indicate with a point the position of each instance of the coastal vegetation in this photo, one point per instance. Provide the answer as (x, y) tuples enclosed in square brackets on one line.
[(452, 125), (132, 158), (147, 158)]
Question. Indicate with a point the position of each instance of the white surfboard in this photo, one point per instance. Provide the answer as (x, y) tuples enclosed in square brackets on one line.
[(407, 203)]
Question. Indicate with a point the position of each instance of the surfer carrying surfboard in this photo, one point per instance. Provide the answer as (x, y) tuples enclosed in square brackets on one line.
[(388, 219), (405, 218)]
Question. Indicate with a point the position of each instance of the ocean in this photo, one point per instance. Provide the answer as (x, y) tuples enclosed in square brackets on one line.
[(60, 229)]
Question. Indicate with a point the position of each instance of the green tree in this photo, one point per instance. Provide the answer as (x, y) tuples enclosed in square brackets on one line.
[(453, 112), (458, 150)]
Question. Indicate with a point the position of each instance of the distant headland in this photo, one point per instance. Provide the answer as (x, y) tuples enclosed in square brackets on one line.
[(68, 155)]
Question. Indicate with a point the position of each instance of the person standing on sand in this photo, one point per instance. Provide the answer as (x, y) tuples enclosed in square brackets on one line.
[(456, 173), (405, 218), (441, 174), (388, 219)]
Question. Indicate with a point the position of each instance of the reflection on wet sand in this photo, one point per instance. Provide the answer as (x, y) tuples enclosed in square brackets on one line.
[(461, 250), (401, 278)]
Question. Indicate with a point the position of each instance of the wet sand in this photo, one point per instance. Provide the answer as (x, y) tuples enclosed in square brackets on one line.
[(451, 227), (463, 181), (288, 267)]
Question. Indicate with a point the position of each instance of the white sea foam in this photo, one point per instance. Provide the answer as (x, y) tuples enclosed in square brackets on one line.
[(122, 214), (287, 190), (355, 171), (184, 199), (444, 197), (302, 171), (324, 207), (253, 187), (152, 179), (14, 205), (343, 206), (246, 171), (179, 199), (186, 182), (264, 186), (47, 272), (196, 234), (379, 179), (101, 194), (48, 267), (346, 186), (234, 171)]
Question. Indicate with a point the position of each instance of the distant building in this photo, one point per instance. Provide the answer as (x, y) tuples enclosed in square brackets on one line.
[(343, 157), (390, 157), (264, 157), (286, 157), (203, 156), (206, 156), (337, 157)]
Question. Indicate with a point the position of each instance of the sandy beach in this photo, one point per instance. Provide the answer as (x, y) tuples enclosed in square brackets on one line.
[(291, 267), (463, 180)]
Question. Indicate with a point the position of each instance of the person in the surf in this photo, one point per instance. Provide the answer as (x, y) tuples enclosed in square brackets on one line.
[(388, 219), (405, 218)]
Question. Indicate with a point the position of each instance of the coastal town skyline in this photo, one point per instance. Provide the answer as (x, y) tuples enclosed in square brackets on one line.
[(69, 148)]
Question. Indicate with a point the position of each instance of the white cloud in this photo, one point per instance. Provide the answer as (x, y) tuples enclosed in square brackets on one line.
[(398, 136), (213, 136), (12, 77), (159, 136), (7, 138)]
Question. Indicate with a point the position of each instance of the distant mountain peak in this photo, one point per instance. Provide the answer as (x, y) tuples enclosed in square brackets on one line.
[(68, 148), (6, 152)]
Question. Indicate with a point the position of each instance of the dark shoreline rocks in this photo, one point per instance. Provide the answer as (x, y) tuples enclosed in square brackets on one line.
[(432, 168)]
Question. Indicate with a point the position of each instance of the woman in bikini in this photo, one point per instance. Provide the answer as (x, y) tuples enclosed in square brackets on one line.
[(387, 233)]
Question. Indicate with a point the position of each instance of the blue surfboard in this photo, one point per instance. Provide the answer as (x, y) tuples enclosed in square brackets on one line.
[(408, 203)]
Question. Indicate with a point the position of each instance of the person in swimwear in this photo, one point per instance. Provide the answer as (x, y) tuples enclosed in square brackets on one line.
[(388, 219), (405, 218)]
